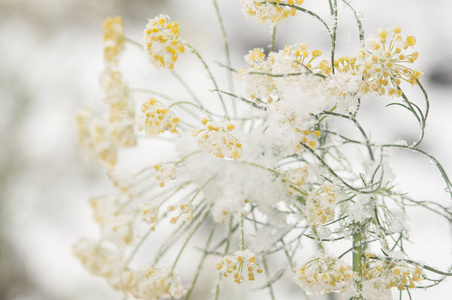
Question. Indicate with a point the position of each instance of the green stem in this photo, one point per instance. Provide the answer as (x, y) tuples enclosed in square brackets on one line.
[(193, 231), (272, 47), (227, 54), (264, 262), (307, 11), (242, 234), (134, 43), (175, 235), (317, 238), (201, 262), (187, 156), (187, 88), (194, 51), (333, 34), (226, 250), (357, 262), (358, 21)]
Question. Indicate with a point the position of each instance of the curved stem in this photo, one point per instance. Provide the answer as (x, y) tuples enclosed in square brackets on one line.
[(227, 54), (187, 88), (193, 50), (358, 21), (438, 165), (332, 172), (306, 11), (358, 125), (190, 235), (134, 43)]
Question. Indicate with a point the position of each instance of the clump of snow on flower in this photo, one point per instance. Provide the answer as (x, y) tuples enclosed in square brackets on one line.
[(233, 184)]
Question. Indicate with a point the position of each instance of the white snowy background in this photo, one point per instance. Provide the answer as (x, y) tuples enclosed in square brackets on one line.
[(50, 60)]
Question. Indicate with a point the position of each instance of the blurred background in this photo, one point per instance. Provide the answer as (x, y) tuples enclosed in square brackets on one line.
[(51, 57)]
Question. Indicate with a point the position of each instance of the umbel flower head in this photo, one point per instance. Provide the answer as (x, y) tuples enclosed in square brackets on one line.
[(381, 276), (236, 263), (324, 274), (320, 206), (158, 118), (95, 138), (269, 10), (153, 284), (218, 140), (291, 59), (162, 44), (383, 63), (113, 38)]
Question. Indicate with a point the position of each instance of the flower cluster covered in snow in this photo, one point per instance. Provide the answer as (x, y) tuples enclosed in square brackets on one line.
[(270, 174)]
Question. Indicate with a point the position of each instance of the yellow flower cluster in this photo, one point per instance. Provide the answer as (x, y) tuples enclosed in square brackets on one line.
[(98, 259), (294, 178), (320, 206), (218, 140), (292, 59), (382, 63), (153, 283), (306, 140), (165, 173), (123, 181), (236, 263), (121, 115), (149, 211), (162, 43), (386, 274), (115, 223), (270, 10), (158, 118), (182, 208), (341, 65), (324, 274), (95, 138), (113, 39)]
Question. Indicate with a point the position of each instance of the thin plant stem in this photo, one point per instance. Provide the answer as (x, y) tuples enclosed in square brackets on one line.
[(358, 22), (317, 238), (201, 262), (190, 235), (226, 250), (272, 45), (357, 262), (187, 88), (134, 43), (264, 262), (333, 33), (212, 78), (227, 54), (176, 233)]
